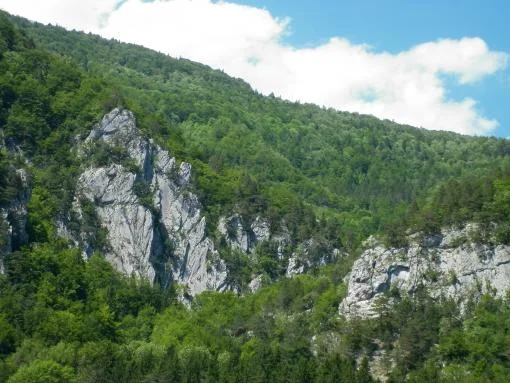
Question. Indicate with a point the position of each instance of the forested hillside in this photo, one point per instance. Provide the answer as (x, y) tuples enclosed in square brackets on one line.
[(332, 176), (286, 160)]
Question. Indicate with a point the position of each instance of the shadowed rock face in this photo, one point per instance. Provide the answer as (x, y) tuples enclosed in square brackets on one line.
[(14, 221), (164, 240), (13, 215), (446, 264), (241, 236)]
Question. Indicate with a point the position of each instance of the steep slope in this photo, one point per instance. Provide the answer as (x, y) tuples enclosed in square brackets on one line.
[(274, 190), (307, 179), (256, 155), (152, 222), (154, 225), (450, 265)]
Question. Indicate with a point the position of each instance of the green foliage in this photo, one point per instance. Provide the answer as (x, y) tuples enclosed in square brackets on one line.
[(238, 268), (90, 225), (331, 177), (268, 262), (43, 371), (261, 155), (483, 200), (8, 337), (40, 225), (10, 183), (142, 190), (101, 154), (66, 319)]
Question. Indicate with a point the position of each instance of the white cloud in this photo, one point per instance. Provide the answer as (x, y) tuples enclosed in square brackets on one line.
[(77, 14), (246, 42)]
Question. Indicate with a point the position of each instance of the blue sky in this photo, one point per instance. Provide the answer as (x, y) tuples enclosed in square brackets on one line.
[(396, 25), (393, 25), (437, 64)]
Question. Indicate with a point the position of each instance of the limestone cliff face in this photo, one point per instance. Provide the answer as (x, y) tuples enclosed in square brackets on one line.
[(448, 264), (13, 215), (155, 228), (154, 225), (242, 236), (311, 253), (245, 236)]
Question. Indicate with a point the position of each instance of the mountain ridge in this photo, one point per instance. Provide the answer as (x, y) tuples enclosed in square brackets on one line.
[(285, 195), (207, 141)]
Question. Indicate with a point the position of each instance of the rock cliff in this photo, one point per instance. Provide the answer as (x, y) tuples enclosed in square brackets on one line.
[(243, 236), (448, 264), (311, 253), (154, 225), (13, 214), (152, 222)]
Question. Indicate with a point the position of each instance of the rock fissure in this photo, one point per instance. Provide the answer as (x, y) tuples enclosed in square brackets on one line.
[(476, 271), (501, 263)]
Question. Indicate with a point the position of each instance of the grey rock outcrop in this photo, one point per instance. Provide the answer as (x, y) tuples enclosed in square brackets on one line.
[(294, 266), (310, 253), (151, 222), (14, 214), (130, 225), (447, 264), (155, 228), (256, 283), (243, 236)]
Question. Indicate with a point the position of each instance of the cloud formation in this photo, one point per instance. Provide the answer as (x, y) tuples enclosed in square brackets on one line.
[(246, 42)]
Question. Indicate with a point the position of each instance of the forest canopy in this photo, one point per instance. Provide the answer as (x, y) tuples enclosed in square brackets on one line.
[(333, 176)]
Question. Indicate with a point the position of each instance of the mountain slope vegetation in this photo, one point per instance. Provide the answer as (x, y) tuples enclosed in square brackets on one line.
[(260, 154), (334, 176)]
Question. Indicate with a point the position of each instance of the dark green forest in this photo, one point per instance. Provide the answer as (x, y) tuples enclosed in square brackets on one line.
[(285, 160), (334, 176)]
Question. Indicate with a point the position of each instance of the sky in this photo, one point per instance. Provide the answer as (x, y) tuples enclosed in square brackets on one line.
[(436, 64)]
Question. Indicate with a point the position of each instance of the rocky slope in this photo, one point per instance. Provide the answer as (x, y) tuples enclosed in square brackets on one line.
[(154, 224), (448, 264), (13, 215), (242, 236)]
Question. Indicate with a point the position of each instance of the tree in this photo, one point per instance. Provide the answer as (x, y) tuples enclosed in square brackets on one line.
[(43, 371)]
